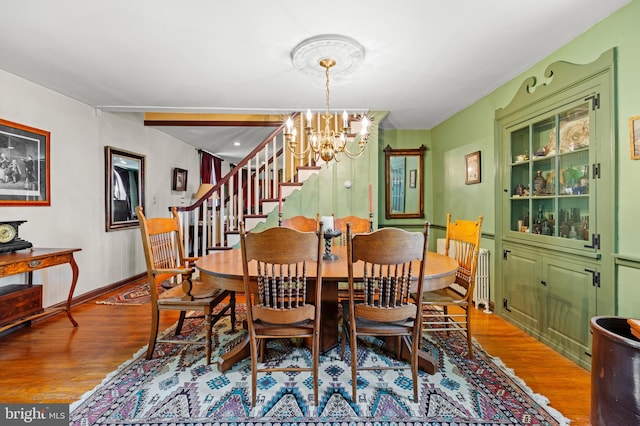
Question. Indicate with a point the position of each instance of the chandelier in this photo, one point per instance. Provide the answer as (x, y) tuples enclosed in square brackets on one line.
[(329, 138)]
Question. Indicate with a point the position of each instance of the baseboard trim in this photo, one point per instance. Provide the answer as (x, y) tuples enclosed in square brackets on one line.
[(93, 295)]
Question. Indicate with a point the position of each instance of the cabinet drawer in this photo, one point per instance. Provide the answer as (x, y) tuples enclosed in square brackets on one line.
[(33, 264), (19, 301)]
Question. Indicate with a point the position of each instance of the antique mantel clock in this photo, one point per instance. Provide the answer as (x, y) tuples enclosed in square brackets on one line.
[(9, 240)]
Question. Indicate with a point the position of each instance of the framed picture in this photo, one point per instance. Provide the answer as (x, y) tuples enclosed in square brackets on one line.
[(634, 132), (179, 181), (24, 165), (124, 188), (472, 168), (412, 178)]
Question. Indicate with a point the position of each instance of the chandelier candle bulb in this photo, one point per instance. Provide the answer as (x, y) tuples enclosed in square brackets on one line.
[(345, 120), (308, 118)]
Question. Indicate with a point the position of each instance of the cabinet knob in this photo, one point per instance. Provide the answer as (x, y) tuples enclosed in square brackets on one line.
[(34, 263)]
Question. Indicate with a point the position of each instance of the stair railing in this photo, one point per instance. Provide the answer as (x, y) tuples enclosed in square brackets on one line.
[(211, 219)]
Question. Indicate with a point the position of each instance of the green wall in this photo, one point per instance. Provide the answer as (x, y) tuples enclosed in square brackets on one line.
[(473, 129)]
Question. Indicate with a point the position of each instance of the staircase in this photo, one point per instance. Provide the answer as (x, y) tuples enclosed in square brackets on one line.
[(248, 194)]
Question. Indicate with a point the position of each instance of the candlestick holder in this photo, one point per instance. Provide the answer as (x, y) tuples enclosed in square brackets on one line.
[(329, 234)]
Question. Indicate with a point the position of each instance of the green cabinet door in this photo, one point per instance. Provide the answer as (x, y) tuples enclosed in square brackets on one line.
[(523, 301), (571, 303)]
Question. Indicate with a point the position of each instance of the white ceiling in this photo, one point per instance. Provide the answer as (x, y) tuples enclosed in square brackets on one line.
[(424, 61)]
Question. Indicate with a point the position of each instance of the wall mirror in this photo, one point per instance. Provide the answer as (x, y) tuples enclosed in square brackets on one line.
[(404, 179), (124, 177)]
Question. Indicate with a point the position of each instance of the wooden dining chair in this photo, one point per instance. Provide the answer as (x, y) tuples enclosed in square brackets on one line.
[(391, 262), (301, 223), (359, 225), (285, 301), (449, 309), (164, 255)]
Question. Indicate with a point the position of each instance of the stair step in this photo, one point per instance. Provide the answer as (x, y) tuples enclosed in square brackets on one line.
[(269, 205), (218, 248), (304, 172), (287, 188), (251, 220)]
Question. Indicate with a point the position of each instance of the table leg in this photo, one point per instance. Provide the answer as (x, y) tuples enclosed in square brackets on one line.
[(240, 351), (74, 281), (329, 316), (426, 362)]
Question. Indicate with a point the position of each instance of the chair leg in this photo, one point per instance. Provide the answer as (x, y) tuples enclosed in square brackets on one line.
[(153, 334), (415, 347), (469, 333), (208, 326), (261, 350), (342, 343), (254, 370), (183, 314), (316, 361), (232, 305), (354, 364)]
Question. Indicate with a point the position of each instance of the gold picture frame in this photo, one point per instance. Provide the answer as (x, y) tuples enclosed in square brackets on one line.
[(472, 168), (634, 134)]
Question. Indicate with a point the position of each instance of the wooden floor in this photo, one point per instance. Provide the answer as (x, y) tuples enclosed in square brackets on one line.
[(51, 361)]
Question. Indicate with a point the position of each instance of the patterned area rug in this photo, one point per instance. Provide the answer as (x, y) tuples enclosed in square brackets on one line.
[(176, 387), (135, 295)]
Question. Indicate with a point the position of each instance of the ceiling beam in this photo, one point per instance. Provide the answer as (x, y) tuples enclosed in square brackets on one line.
[(198, 119)]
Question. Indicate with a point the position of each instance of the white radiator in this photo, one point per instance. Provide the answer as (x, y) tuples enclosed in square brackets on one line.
[(481, 291)]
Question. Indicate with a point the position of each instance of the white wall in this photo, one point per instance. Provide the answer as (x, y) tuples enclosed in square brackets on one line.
[(76, 217)]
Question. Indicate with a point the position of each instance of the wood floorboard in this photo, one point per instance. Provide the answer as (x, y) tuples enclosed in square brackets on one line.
[(53, 362)]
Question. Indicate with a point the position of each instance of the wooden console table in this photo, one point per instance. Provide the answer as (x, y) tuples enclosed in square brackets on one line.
[(27, 261)]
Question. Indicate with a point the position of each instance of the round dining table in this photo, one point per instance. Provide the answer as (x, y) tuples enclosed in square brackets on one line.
[(223, 269)]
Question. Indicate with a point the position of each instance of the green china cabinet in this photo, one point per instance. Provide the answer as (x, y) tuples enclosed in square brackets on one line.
[(555, 224)]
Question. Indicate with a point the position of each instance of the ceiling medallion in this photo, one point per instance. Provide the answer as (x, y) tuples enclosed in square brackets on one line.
[(346, 52)]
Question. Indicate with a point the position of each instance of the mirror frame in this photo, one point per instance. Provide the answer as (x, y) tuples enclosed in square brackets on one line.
[(114, 156), (417, 180)]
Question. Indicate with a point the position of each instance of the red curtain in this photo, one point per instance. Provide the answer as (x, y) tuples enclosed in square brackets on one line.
[(210, 167)]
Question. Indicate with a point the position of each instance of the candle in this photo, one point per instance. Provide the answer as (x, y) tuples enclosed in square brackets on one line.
[(370, 200), (327, 223), (308, 118), (280, 202), (345, 120), (365, 127)]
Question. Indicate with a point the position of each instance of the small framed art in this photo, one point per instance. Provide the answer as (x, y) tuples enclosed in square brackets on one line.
[(179, 181), (472, 168), (634, 132)]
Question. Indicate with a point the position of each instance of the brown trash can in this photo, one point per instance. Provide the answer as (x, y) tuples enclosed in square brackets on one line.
[(615, 373)]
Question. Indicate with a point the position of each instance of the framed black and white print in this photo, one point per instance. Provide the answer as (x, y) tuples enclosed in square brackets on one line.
[(24, 165)]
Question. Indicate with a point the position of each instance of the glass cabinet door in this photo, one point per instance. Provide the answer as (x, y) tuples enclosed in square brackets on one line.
[(549, 166)]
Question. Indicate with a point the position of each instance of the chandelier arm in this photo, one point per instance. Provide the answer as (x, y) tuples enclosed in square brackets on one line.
[(353, 155), (297, 154)]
